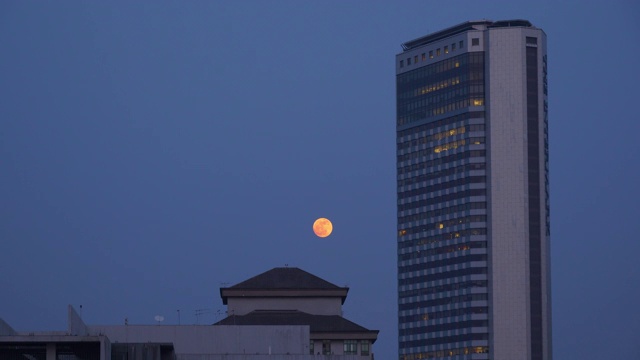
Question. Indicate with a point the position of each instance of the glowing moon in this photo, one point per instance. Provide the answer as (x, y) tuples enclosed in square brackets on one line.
[(322, 227)]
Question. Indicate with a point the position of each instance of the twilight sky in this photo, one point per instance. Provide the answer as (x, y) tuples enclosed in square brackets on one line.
[(152, 152)]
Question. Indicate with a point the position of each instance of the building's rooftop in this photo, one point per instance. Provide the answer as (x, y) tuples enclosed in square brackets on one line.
[(284, 281), (460, 28), (317, 323), (285, 278)]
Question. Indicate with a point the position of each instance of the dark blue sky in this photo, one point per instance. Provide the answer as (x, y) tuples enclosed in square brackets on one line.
[(151, 152)]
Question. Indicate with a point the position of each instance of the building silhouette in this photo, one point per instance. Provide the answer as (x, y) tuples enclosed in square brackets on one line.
[(473, 193), (281, 314)]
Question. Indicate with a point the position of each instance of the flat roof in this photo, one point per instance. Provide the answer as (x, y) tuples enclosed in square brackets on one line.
[(460, 28)]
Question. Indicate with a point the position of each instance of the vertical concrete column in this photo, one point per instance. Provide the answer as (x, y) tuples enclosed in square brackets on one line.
[(51, 351)]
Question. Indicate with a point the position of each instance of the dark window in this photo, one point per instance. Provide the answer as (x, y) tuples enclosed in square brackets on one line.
[(439, 263), (443, 275), (401, 63), (408, 61), (479, 205), (440, 289), (364, 347), (22, 351), (415, 59), (444, 340), (443, 327), (444, 301), (475, 41), (442, 198), (445, 314), (424, 56), (453, 47), (532, 40), (437, 52), (326, 347), (88, 350), (350, 347), (311, 347), (461, 43)]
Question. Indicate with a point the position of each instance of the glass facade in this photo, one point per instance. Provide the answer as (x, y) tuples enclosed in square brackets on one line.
[(442, 209), (440, 88)]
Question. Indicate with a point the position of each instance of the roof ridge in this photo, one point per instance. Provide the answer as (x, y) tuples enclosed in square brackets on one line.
[(285, 278)]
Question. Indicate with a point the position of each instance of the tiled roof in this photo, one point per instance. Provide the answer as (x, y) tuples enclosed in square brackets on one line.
[(285, 278), (317, 323)]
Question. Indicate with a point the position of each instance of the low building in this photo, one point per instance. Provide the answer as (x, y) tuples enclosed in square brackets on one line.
[(299, 322), (291, 296)]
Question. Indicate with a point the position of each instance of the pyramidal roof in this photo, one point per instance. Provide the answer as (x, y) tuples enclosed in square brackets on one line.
[(285, 278), (284, 282)]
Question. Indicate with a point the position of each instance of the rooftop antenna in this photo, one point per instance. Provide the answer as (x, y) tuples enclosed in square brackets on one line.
[(218, 314), (159, 318), (199, 312), (80, 311)]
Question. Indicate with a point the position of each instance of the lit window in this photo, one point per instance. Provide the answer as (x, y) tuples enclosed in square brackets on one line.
[(424, 56), (446, 49), (437, 52), (453, 47), (431, 54), (475, 41), (401, 63), (449, 146), (478, 102), (457, 64)]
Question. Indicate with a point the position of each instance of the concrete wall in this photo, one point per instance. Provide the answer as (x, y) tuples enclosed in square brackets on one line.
[(207, 339), (509, 192), (74, 323), (507, 122), (316, 306)]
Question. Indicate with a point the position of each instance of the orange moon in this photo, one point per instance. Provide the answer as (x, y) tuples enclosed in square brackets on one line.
[(322, 227)]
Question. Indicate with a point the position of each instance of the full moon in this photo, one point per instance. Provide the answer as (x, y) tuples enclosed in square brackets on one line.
[(322, 227)]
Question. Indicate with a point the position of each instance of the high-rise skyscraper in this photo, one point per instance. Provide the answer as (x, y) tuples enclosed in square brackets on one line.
[(473, 193)]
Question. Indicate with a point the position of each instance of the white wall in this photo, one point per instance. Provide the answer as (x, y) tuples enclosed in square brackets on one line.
[(208, 339)]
